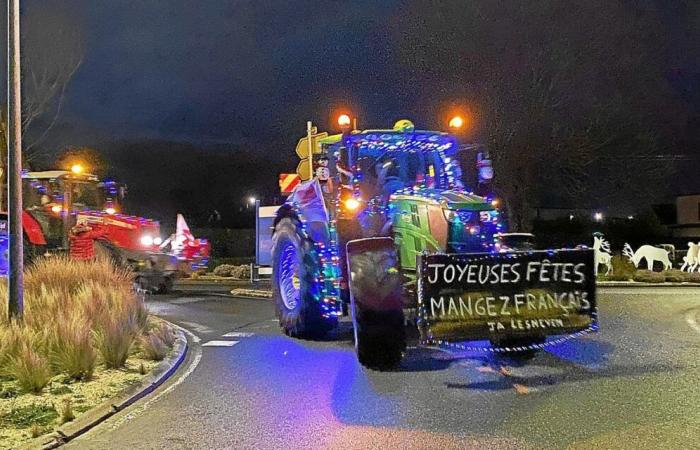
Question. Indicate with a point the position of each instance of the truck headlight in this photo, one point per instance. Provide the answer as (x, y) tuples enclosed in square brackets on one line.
[(147, 241), (157, 240)]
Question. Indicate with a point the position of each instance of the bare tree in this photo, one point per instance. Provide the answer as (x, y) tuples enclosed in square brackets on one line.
[(565, 94), (52, 53)]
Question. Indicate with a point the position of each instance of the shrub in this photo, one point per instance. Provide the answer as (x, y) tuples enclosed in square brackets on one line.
[(692, 277), (67, 414), (30, 369), (114, 338), (623, 269), (71, 350), (241, 272), (224, 270), (165, 333), (648, 276), (153, 347), (674, 276)]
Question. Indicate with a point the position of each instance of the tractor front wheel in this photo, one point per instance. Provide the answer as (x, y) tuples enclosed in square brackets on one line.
[(377, 303), (295, 289)]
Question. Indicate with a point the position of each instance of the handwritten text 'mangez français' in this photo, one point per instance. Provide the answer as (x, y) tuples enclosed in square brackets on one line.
[(503, 273)]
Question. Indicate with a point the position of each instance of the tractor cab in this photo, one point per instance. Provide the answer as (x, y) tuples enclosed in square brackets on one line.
[(54, 198), (408, 183)]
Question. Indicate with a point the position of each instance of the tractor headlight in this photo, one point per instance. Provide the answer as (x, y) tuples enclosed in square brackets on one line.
[(147, 241)]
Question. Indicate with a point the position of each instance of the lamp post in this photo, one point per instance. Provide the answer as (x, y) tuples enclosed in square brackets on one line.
[(14, 163)]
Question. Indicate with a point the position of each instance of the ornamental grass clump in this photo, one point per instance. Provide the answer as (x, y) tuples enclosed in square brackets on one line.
[(31, 370), (70, 348), (153, 347), (77, 314)]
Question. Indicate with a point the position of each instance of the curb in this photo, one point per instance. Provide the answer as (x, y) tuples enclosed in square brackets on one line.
[(128, 396), (209, 281), (253, 293)]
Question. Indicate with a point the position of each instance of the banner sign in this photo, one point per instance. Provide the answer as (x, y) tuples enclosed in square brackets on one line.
[(504, 295)]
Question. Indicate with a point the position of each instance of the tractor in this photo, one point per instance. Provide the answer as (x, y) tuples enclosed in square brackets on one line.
[(55, 201), (360, 239)]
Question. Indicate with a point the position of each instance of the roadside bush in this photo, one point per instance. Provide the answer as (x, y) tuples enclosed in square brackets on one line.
[(153, 347), (692, 277), (241, 272), (70, 348), (164, 332), (224, 270), (114, 337), (30, 369), (675, 276), (75, 312), (623, 269), (647, 276)]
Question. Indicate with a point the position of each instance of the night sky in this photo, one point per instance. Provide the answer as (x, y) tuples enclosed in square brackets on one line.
[(183, 79), (223, 71)]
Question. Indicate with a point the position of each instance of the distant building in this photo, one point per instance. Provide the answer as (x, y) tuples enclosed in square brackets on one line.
[(687, 216)]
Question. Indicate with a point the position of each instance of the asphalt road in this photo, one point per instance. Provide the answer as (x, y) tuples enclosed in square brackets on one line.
[(635, 384)]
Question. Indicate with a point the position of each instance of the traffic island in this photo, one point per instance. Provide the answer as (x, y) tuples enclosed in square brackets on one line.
[(115, 397), (85, 338)]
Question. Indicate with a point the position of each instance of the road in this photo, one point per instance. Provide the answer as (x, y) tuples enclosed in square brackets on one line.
[(635, 384)]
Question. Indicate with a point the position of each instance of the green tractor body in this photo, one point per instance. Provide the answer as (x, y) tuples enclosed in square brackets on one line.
[(351, 239)]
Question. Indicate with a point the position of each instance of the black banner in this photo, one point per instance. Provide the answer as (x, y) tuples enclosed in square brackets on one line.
[(497, 296)]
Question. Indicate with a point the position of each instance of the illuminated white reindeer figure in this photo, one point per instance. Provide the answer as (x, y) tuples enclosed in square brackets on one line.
[(648, 252), (602, 255), (692, 259)]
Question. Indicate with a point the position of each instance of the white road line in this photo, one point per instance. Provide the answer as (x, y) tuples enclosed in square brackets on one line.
[(238, 334), (198, 327), (137, 410), (220, 344), (690, 317)]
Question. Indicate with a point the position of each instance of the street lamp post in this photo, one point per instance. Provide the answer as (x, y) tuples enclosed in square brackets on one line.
[(14, 162)]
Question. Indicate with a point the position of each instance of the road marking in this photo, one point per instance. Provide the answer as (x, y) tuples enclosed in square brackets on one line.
[(198, 327), (690, 317), (220, 344), (139, 409), (238, 334)]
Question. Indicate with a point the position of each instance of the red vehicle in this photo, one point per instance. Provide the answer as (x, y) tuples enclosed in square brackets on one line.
[(56, 201)]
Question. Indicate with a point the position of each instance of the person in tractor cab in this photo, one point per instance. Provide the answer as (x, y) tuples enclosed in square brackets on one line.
[(82, 241)]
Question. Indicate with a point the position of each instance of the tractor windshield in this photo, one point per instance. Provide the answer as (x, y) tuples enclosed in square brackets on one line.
[(86, 196), (397, 169)]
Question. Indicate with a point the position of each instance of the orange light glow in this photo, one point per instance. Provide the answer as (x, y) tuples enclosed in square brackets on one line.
[(456, 122), (56, 209), (110, 211), (344, 120), (351, 204), (495, 203), (77, 169)]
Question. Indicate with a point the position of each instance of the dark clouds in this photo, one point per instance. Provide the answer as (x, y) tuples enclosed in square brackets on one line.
[(226, 70)]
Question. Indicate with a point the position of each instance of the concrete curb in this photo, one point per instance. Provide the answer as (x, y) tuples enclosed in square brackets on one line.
[(636, 284), (210, 281), (253, 293), (128, 396)]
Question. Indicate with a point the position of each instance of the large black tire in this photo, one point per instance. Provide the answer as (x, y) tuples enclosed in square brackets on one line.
[(377, 304), (31, 252), (166, 286), (380, 338), (295, 266)]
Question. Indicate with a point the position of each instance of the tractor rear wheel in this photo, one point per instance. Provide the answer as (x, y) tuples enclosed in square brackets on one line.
[(295, 291), (377, 303)]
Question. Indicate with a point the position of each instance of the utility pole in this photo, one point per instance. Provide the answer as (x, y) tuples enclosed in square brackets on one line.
[(14, 162)]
